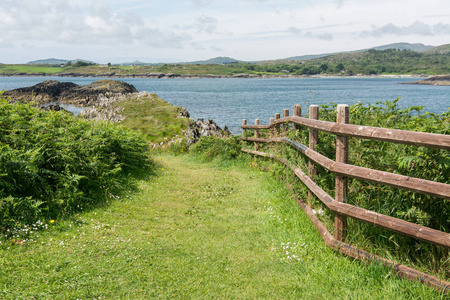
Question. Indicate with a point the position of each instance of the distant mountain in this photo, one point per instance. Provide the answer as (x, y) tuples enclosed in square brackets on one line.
[(404, 46), (309, 56), (443, 49), (400, 46), (55, 61), (49, 61), (138, 63), (214, 61)]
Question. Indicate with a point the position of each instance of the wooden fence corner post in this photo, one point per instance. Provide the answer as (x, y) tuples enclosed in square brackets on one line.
[(313, 140), (340, 221), (256, 134), (297, 113), (277, 128), (285, 125)]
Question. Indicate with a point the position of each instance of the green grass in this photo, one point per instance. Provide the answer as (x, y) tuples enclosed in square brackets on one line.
[(195, 231), (153, 117), (12, 69)]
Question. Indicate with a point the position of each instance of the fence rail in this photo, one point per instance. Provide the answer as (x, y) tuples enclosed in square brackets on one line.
[(343, 170), (425, 139)]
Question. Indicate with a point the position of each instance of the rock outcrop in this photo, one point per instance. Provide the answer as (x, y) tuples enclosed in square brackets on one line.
[(202, 127), (102, 101), (55, 107), (435, 80), (68, 92)]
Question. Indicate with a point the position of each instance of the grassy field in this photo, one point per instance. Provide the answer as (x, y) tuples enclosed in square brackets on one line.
[(33, 69), (153, 117), (194, 231)]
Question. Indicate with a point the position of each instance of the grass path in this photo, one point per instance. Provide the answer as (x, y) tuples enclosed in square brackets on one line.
[(195, 231)]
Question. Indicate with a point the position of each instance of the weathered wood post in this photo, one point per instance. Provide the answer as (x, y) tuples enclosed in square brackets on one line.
[(256, 134), (244, 122), (340, 221), (277, 128), (271, 130), (313, 140), (297, 113), (285, 125)]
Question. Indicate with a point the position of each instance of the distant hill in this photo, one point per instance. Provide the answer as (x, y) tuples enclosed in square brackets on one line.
[(404, 46), (443, 49), (400, 46), (138, 63), (214, 61), (49, 61), (55, 61)]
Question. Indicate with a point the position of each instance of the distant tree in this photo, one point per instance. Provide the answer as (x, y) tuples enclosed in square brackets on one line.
[(250, 67), (339, 67), (310, 70), (82, 64), (306, 70), (324, 67), (109, 64), (68, 64)]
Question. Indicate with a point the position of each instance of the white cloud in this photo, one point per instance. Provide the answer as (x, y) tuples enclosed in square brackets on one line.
[(339, 3), (215, 48), (417, 28), (201, 3), (180, 30), (308, 34), (58, 21), (205, 24)]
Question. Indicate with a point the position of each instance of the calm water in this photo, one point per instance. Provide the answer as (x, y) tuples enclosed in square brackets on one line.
[(228, 101)]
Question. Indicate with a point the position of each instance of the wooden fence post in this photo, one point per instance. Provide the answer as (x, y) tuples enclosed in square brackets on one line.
[(285, 125), (271, 129), (256, 134), (313, 140), (244, 122), (297, 113), (340, 221), (277, 128)]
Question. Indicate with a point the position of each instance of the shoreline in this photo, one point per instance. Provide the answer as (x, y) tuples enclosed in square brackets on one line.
[(192, 76)]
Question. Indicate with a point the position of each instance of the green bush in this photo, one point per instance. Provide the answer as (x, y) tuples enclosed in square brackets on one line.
[(214, 148), (53, 164), (414, 161)]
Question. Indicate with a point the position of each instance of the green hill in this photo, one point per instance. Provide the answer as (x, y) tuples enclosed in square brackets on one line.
[(56, 61), (214, 61), (443, 49), (399, 46)]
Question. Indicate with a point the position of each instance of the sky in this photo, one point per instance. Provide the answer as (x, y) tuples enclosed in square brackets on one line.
[(177, 31)]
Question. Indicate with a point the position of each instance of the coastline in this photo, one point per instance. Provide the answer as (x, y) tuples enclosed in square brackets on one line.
[(193, 76), (441, 80)]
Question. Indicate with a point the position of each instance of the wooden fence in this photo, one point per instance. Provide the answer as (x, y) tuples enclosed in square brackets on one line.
[(279, 126)]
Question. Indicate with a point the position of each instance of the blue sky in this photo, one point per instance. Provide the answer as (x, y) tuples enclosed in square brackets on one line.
[(174, 31)]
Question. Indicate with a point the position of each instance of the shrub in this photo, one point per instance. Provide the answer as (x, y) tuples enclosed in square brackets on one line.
[(52, 163), (214, 148)]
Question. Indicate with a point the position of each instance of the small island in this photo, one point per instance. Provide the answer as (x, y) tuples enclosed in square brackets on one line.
[(443, 80)]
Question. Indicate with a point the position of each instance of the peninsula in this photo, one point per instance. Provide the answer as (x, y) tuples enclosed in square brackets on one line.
[(435, 80)]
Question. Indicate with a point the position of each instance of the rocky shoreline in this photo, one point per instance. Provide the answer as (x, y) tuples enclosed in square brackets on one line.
[(102, 101), (443, 80)]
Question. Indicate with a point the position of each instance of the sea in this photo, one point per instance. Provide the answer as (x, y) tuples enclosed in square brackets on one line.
[(228, 101)]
